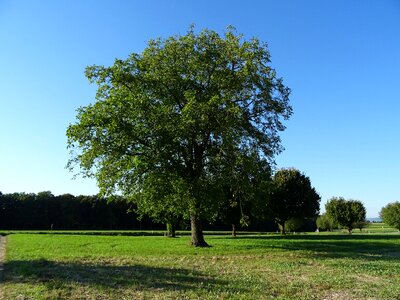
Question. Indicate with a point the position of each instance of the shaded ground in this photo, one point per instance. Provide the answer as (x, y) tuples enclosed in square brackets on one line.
[(107, 275)]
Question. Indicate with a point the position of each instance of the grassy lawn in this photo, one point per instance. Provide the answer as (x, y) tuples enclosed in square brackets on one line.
[(378, 228), (306, 266)]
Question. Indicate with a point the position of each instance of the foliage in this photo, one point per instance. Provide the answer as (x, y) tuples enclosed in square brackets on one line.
[(21, 211), (291, 196), (390, 214), (45, 211), (324, 222), (293, 224), (173, 120), (346, 213), (244, 192)]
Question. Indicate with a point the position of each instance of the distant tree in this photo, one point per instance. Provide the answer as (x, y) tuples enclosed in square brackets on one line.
[(2, 210), (291, 196), (244, 190), (390, 214), (161, 200), (346, 213), (324, 222), (10, 207), (69, 210), (233, 212), (361, 225), (29, 212), (43, 201), (182, 109), (294, 224), (45, 195)]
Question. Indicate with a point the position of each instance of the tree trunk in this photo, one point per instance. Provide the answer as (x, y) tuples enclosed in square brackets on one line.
[(197, 232), (233, 230), (283, 232), (170, 230)]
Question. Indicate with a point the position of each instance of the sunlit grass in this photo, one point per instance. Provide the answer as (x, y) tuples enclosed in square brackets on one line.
[(306, 266)]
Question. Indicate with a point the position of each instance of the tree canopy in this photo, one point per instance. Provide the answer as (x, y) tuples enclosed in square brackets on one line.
[(170, 123), (291, 196), (390, 214), (346, 213)]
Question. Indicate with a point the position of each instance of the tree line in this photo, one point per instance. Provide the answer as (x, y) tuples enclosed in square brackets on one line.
[(44, 211), (286, 202)]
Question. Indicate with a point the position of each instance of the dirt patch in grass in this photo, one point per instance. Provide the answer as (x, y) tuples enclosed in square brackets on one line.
[(337, 295), (2, 255)]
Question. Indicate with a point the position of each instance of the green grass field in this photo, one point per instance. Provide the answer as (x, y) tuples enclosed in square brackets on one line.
[(378, 228), (303, 266)]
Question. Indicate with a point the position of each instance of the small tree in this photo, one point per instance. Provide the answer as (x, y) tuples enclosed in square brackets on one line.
[(244, 189), (390, 214), (324, 222), (361, 225), (234, 214), (346, 213), (291, 196)]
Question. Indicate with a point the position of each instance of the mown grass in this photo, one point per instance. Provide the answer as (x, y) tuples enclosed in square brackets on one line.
[(379, 228), (306, 266)]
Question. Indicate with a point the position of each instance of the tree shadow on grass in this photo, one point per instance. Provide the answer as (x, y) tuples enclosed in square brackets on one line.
[(107, 276), (370, 247)]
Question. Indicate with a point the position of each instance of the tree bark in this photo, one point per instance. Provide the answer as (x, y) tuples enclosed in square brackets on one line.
[(283, 232), (233, 230), (197, 232)]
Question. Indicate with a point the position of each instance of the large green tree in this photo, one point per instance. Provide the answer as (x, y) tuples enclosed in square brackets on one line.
[(291, 196), (346, 213), (390, 214), (171, 120)]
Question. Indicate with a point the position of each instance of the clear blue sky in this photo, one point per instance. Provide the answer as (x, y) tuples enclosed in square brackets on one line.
[(340, 58)]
